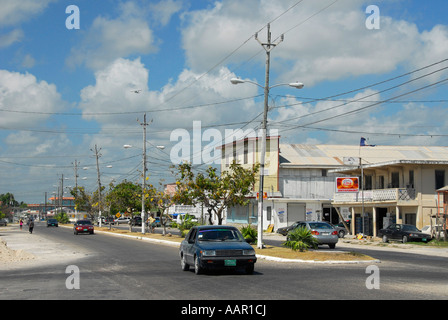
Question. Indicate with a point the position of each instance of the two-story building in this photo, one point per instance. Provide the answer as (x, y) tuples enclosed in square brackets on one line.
[(398, 183), (400, 186)]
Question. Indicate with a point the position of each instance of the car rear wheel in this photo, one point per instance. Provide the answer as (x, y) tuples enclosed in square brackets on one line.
[(385, 240), (332, 245), (183, 263)]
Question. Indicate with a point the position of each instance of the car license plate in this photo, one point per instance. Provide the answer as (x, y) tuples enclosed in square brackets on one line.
[(325, 233), (230, 263), (423, 239), (85, 229)]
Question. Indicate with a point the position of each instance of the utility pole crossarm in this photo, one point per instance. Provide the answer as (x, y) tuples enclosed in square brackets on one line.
[(269, 45)]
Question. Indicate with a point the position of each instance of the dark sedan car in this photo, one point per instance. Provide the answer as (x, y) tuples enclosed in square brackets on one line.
[(404, 233), (284, 231), (207, 247), (52, 223), (83, 226)]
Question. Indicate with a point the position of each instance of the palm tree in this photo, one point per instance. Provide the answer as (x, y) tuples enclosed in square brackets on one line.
[(300, 239)]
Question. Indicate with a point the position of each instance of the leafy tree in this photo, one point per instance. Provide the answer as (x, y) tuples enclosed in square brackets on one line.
[(126, 196), (83, 201), (162, 201), (217, 192)]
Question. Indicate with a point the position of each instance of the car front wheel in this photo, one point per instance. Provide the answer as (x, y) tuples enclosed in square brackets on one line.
[(183, 263), (250, 268), (405, 239)]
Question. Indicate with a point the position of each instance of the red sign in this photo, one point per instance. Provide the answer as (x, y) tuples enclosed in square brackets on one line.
[(347, 184), (265, 195)]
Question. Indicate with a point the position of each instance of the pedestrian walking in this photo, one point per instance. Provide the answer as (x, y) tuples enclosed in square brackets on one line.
[(31, 227), (21, 224)]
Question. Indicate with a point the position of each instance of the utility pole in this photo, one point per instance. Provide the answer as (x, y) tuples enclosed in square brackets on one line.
[(144, 124), (75, 168), (97, 155), (76, 186), (268, 47)]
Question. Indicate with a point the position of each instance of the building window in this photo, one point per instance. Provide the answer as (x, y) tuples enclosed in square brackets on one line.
[(440, 179), (234, 151), (395, 180), (324, 172), (246, 151), (368, 183), (381, 182), (411, 179)]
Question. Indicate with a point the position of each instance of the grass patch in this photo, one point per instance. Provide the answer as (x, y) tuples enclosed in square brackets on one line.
[(315, 255), (159, 236)]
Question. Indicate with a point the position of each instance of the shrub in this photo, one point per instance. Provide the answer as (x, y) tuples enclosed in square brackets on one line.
[(250, 233), (300, 239)]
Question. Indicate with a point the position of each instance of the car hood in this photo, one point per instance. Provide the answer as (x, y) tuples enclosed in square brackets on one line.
[(223, 245)]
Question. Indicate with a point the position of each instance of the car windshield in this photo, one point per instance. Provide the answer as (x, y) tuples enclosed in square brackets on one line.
[(84, 222), (410, 228), (320, 225), (220, 235), (52, 220)]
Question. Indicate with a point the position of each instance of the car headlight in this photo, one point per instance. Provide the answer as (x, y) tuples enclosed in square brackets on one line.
[(249, 252), (209, 253)]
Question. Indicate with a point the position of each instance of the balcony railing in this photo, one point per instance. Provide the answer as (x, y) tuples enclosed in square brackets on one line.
[(377, 195)]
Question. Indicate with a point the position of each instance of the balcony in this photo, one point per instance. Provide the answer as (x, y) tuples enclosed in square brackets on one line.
[(392, 195)]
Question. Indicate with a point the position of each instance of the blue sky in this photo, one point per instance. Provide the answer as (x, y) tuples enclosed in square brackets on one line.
[(64, 91)]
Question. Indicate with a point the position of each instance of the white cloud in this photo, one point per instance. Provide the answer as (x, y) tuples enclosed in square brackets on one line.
[(14, 12), (8, 39), (332, 45), (26, 99), (109, 39), (164, 10)]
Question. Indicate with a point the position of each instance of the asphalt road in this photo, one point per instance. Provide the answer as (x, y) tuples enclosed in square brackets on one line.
[(113, 268)]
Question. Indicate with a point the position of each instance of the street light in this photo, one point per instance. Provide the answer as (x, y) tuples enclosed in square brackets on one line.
[(297, 85), (266, 88)]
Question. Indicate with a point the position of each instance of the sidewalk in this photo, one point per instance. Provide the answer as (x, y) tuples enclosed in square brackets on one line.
[(19, 248)]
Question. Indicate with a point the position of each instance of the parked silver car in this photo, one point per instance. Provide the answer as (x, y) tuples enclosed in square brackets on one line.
[(322, 231)]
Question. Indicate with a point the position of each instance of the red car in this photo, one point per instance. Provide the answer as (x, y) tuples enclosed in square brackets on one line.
[(83, 226)]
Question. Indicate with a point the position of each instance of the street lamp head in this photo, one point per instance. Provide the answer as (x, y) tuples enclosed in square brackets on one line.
[(297, 85), (160, 147), (236, 81), (127, 146)]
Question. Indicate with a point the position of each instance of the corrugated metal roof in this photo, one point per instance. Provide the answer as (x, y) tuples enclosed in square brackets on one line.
[(333, 155)]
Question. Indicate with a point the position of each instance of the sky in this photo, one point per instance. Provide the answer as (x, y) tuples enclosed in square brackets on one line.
[(80, 74)]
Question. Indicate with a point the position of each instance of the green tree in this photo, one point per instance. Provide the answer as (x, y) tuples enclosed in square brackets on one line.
[(83, 201), (215, 191), (125, 196)]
